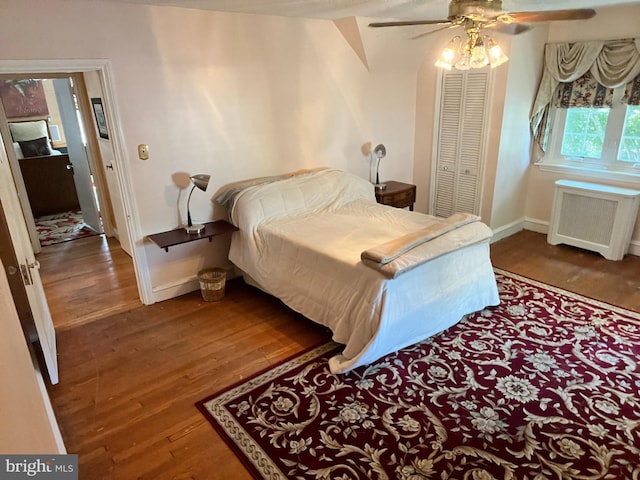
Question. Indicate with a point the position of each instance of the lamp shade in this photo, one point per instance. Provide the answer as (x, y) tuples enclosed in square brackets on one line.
[(201, 181), (380, 151)]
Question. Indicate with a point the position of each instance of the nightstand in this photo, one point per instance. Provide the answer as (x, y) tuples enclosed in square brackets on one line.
[(397, 194)]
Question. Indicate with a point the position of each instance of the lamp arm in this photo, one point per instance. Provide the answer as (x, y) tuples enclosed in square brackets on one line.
[(378, 172), (189, 211)]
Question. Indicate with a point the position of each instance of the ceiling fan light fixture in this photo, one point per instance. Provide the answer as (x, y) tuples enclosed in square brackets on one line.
[(449, 54), (496, 56), (477, 51), (464, 61), (479, 56)]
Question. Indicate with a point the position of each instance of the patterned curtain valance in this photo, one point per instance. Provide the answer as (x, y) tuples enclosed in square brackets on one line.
[(583, 92), (632, 92)]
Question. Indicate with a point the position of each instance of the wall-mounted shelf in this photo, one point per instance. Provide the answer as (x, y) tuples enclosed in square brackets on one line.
[(180, 235)]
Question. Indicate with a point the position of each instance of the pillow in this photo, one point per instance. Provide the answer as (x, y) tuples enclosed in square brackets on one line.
[(228, 196), (35, 148), (22, 131), (18, 150)]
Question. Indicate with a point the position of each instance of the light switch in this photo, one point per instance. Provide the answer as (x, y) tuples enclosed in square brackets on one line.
[(143, 152)]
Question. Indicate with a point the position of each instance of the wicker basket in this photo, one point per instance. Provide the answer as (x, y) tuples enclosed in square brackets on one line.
[(212, 282)]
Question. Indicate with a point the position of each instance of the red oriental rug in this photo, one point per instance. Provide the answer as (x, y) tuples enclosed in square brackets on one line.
[(62, 227), (546, 385)]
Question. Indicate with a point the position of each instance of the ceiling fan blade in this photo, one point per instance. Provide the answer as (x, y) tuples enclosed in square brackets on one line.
[(509, 28), (550, 16), (406, 23), (433, 31)]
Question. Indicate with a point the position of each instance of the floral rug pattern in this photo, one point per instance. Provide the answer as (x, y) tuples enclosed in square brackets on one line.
[(544, 386), (62, 227)]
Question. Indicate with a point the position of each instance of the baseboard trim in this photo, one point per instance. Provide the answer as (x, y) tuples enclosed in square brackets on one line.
[(536, 225), (175, 289), (634, 248), (184, 286), (525, 223), (507, 230)]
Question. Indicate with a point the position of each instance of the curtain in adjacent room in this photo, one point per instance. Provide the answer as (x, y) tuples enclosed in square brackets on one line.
[(610, 64)]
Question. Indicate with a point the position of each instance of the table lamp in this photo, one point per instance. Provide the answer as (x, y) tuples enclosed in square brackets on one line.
[(380, 152), (202, 182)]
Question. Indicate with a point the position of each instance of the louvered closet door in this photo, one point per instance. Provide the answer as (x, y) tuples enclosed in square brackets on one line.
[(460, 142)]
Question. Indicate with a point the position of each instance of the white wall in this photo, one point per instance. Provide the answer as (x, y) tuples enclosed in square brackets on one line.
[(426, 105), (232, 95), (509, 191)]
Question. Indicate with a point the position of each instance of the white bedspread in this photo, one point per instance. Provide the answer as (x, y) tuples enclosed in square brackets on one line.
[(301, 239)]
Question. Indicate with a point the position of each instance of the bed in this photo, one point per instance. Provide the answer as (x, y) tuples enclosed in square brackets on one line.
[(46, 172), (314, 240)]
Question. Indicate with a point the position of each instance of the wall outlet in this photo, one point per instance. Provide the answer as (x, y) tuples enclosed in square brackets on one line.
[(143, 152)]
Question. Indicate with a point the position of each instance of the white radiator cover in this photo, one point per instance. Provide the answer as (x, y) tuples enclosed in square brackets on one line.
[(595, 217)]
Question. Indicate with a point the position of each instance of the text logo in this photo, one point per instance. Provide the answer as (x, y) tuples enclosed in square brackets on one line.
[(51, 467)]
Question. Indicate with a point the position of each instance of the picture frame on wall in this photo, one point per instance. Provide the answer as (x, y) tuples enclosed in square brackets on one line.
[(101, 119), (23, 98)]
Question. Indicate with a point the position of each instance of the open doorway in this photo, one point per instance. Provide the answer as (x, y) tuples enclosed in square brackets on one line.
[(91, 78), (50, 146), (48, 136)]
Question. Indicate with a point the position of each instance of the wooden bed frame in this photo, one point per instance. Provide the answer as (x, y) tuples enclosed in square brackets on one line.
[(48, 179), (49, 183)]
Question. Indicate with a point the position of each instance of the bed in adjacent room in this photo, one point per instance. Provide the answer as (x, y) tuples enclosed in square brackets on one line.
[(379, 277), (47, 173)]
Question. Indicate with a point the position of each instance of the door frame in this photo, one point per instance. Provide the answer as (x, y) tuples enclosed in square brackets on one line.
[(104, 69)]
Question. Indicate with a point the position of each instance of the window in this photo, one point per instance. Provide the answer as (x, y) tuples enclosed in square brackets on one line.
[(584, 132), (630, 141), (596, 138)]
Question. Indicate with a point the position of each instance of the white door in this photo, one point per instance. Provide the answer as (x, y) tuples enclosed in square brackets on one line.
[(77, 154), (28, 267)]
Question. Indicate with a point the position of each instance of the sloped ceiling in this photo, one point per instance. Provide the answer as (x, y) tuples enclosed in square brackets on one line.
[(336, 9), (351, 17), (351, 32)]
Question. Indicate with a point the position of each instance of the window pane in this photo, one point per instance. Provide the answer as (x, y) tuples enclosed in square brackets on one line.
[(630, 140), (584, 131)]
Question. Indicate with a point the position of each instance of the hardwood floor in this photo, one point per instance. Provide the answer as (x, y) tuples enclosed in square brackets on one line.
[(129, 380), (86, 279), (590, 274)]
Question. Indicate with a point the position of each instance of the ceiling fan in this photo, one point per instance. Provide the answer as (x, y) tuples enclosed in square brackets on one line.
[(479, 49), (489, 13)]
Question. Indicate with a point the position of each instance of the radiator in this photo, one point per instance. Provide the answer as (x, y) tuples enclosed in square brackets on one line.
[(595, 217)]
